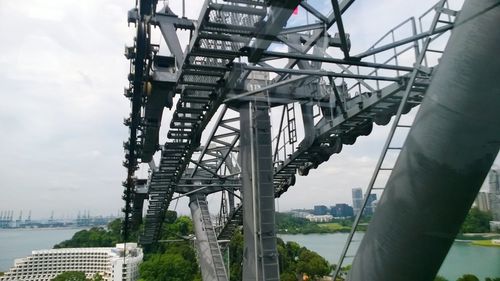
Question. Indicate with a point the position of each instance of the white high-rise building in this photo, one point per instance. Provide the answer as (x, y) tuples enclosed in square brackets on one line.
[(113, 264)]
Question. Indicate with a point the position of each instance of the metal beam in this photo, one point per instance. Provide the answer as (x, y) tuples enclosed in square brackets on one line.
[(168, 31), (334, 60), (277, 16), (340, 25), (318, 73), (403, 41), (314, 12), (302, 28), (344, 5), (272, 86)]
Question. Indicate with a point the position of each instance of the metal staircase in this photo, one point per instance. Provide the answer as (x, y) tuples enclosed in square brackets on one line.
[(232, 225), (212, 48), (215, 252), (421, 71)]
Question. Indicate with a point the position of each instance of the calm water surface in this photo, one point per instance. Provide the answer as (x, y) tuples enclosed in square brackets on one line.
[(463, 258), (18, 243)]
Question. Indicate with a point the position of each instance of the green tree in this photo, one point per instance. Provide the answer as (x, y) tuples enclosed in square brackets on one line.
[(287, 276), (236, 256), (115, 227), (97, 277), (468, 277), (492, 279), (440, 278), (312, 264), (95, 237), (70, 276), (170, 216), (477, 221), (175, 260), (293, 260), (167, 267), (343, 271)]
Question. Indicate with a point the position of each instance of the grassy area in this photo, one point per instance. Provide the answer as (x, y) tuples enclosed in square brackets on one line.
[(486, 243), (477, 236), (333, 226)]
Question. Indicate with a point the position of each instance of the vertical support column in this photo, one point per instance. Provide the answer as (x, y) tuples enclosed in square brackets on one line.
[(308, 121), (448, 152), (209, 255), (260, 256), (230, 196)]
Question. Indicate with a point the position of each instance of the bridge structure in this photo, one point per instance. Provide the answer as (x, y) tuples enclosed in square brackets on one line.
[(257, 99)]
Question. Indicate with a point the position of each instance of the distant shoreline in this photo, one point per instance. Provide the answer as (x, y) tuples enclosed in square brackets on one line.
[(474, 239), (45, 228)]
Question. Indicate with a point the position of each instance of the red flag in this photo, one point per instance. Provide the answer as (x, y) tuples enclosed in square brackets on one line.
[(296, 11)]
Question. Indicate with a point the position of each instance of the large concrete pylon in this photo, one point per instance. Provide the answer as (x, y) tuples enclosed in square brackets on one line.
[(447, 155)]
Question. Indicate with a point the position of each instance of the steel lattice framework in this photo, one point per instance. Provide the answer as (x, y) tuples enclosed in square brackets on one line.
[(228, 79)]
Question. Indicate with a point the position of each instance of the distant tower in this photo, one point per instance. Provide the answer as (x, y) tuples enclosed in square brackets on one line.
[(494, 181), (494, 193), (357, 200)]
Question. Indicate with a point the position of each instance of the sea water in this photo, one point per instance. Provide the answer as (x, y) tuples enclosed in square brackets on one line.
[(463, 258), (18, 243)]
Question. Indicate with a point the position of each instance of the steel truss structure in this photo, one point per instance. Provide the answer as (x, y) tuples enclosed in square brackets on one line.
[(220, 91)]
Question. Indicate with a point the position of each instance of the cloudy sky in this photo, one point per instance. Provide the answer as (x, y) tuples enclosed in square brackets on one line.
[(62, 73)]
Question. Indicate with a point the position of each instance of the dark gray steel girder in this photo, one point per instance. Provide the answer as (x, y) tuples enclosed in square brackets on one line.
[(344, 5), (340, 25), (277, 16), (315, 12)]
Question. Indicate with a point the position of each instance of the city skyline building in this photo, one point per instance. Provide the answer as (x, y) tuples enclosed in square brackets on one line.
[(120, 263), (342, 210), (494, 193), (320, 210), (357, 200)]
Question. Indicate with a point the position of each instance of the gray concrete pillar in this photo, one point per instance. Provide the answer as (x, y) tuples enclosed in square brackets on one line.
[(447, 155)]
